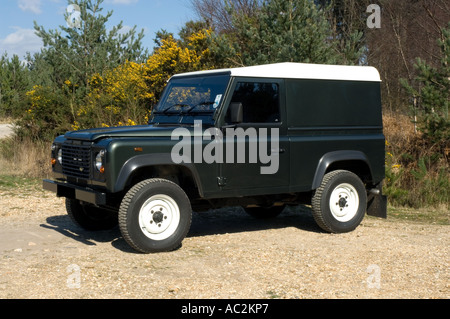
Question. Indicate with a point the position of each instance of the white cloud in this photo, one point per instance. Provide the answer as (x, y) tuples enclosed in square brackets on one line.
[(30, 5), (20, 42)]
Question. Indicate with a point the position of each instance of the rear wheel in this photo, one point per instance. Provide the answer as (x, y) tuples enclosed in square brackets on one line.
[(339, 204), (90, 217), (155, 216)]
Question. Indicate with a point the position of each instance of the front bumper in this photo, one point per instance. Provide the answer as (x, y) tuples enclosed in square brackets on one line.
[(85, 194)]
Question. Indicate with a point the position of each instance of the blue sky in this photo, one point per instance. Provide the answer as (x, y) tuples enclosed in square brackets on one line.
[(17, 17)]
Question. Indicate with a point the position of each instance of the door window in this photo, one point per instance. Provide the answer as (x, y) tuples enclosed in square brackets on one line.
[(260, 101)]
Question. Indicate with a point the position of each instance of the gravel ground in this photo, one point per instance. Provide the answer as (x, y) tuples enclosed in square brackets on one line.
[(227, 254)]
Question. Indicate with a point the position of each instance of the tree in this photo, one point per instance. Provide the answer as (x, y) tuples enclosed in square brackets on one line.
[(348, 22), (77, 52), (218, 14), (283, 31), (125, 94), (409, 30), (176, 56), (431, 93), (14, 82), (120, 97), (63, 70)]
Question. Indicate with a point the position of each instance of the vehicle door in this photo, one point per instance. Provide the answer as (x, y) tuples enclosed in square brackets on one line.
[(256, 151)]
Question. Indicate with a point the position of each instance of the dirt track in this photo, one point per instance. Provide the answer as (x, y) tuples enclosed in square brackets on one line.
[(226, 255)]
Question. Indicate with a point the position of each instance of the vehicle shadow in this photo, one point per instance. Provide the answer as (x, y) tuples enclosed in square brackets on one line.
[(236, 220), (64, 225), (212, 222)]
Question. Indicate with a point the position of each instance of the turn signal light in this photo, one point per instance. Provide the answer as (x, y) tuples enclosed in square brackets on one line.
[(53, 161)]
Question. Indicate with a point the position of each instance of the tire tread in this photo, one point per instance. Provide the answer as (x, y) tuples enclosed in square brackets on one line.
[(123, 212), (316, 202)]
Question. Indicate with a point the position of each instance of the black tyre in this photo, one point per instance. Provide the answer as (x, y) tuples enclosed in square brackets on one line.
[(90, 217), (264, 212), (155, 216), (340, 203)]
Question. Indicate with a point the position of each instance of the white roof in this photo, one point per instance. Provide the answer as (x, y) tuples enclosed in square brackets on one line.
[(290, 70)]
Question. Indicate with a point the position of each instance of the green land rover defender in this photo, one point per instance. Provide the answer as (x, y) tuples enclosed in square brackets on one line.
[(260, 137)]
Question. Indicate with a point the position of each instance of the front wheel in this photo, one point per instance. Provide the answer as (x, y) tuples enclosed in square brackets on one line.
[(339, 204), (155, 216)]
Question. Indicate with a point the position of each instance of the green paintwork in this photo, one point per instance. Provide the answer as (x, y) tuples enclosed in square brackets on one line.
[(320, 119)]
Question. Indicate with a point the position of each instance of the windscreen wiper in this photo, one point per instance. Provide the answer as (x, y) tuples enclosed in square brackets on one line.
[(175, 105), (166, 110), (192, 108)]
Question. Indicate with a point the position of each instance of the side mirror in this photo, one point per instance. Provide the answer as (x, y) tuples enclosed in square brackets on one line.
[(236, 112)]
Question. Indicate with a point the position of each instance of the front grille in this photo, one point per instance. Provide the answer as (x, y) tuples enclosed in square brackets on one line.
[(76, 160)]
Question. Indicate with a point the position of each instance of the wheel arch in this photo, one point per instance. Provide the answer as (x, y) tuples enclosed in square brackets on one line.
[(353, 161), (143, 167)]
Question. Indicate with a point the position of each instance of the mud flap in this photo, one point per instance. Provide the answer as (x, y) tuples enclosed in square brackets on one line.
[(377, 206), (377, 202)]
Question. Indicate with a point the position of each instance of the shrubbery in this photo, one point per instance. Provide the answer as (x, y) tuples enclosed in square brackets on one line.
[(416, 173)]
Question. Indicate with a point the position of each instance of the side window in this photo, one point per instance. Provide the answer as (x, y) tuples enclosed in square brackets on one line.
[(260, 101)]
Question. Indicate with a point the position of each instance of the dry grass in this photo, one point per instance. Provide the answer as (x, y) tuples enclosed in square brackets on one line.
[(25, 158), (417, 171), (6, 120), (402, 139), (399, 129)]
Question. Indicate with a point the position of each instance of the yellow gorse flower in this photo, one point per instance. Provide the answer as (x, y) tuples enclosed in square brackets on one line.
[(124, 95)]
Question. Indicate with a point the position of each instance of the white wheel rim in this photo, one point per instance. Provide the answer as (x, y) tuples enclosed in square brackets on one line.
[(159, 217), (344, 202)]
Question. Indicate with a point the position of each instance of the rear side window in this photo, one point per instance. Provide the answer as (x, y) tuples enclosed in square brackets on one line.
[(260, 101)]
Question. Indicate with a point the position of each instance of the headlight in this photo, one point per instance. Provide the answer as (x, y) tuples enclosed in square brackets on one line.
[(59, 158), (56, 154), (99, 159)]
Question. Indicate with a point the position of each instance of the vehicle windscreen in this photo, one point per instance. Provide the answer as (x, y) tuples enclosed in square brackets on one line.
[(186, 99)]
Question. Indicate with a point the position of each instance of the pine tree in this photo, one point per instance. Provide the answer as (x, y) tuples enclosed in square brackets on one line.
[(431, 92), (281, 31), (14, 82), (71, 57), (76, 52)]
